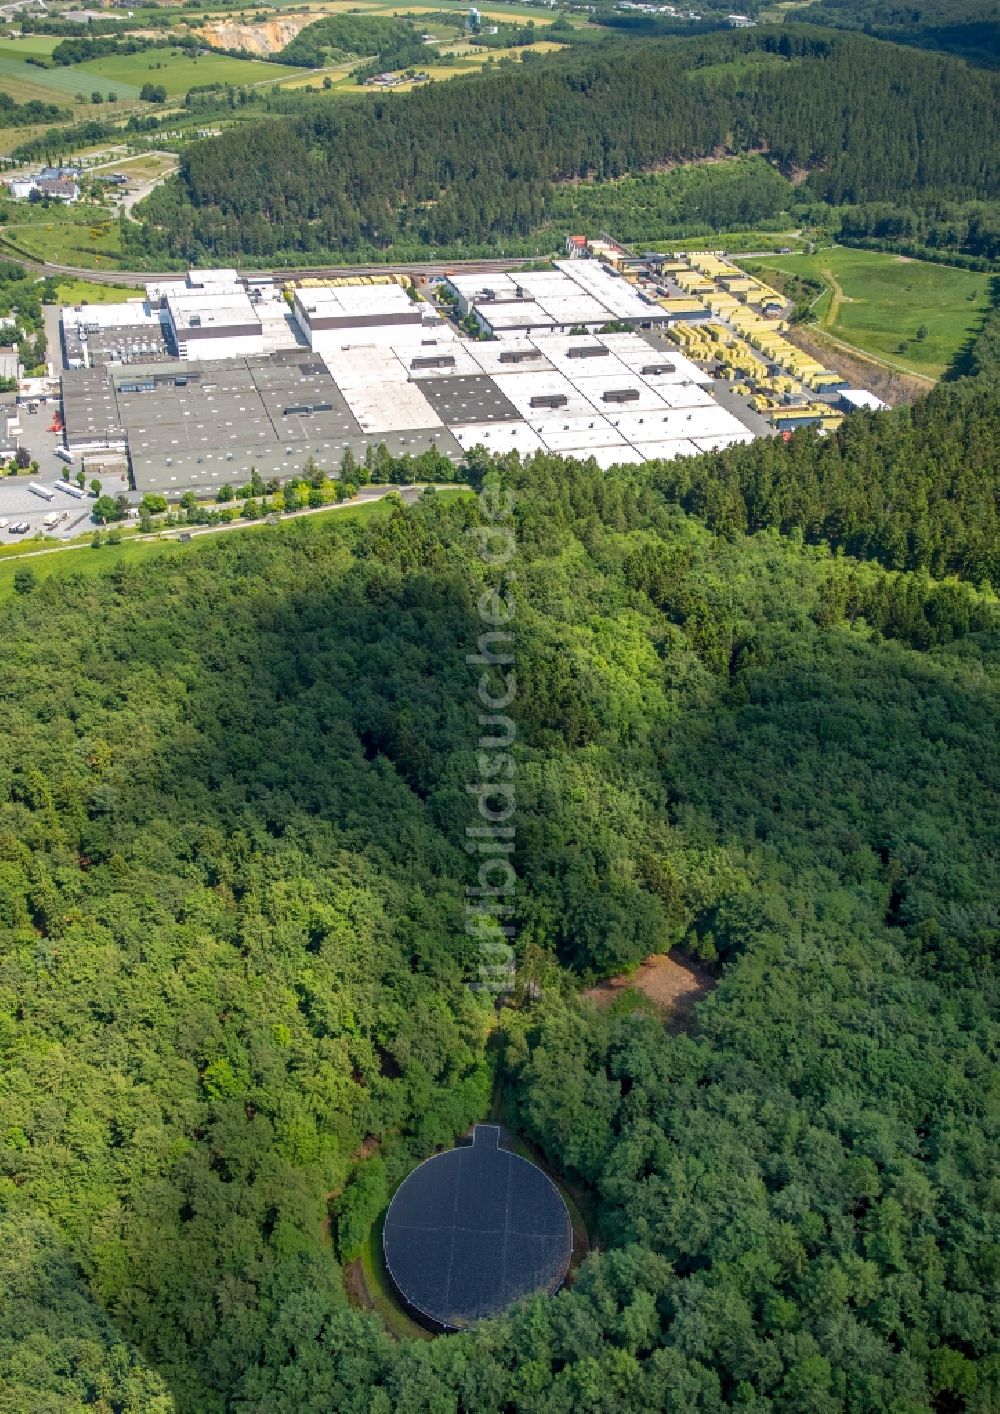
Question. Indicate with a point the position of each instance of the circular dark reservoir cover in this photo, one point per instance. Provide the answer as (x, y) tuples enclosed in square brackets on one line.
[(473, 1230)]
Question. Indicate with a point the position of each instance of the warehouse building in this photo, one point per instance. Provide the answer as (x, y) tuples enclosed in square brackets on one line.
[(577, 294), (194, 426), (208, 315), (344, 316)]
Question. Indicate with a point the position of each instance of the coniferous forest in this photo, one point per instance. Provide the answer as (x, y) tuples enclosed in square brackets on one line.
[(755, 718), (478, 161)]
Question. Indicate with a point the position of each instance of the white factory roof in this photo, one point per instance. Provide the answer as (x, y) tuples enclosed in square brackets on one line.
[(464, 366), (391, 407), (577, 434), (109, 316), (522, 388), (681, 395), (343, 301), (614, 292), (575, 292), (517, 314), (666, 451), (476, 287), (195, 281), (634, 351), (558, 348), (499, 437), (638, 427), (860, 398), (204, 279), (218, 310), (372, 367), (719, 444), (490, 355), (600, 393)]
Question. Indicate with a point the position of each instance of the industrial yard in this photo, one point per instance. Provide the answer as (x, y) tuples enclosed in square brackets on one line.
[(214, 377)]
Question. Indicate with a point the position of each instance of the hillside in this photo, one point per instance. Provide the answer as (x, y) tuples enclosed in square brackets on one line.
[(234, 789), (448, 165)]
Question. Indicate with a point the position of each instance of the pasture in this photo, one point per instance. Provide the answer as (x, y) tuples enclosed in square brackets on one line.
[(911, 314)]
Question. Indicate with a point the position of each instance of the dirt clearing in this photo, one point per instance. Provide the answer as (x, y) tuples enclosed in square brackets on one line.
[(672, 987), (892, 385)]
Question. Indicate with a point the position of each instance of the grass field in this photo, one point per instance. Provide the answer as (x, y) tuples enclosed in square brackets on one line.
[(122, 74), (878, 302), (379, 1288), (144, 168), (93, 292), (731, 241), (178, 73), (66, 235)]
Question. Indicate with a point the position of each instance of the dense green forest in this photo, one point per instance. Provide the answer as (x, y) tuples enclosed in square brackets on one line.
[(967, 27), (967, 230), (739, 194), (475, 161), (395, 43), (234, 1001)]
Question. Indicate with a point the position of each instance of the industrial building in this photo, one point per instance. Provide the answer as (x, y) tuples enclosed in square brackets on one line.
[(855, 399), (209, 315), (340, 316), (577, 294), (212, 377), (95, 334), (191, 425)]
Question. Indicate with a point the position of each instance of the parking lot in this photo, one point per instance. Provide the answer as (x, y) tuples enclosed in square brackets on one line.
[(17, 503), (40, 442)]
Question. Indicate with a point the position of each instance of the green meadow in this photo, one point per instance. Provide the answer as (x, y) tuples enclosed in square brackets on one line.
[(913, 314)]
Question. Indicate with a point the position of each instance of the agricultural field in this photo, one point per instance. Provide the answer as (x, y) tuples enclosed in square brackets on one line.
[(177, 71), (911, 314), (121, 74)]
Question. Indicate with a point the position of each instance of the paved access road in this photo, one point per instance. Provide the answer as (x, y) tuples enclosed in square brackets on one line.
[(18, 503)]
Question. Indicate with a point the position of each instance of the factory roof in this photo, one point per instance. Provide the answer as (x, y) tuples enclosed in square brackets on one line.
[(345, 301), (574, 292), (199, 425), (860, 398)]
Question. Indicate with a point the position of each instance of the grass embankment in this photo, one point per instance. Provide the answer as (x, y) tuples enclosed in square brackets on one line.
[(378, 1288), (79, 556), (80, 235), (910, 314), (378, 1294)]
